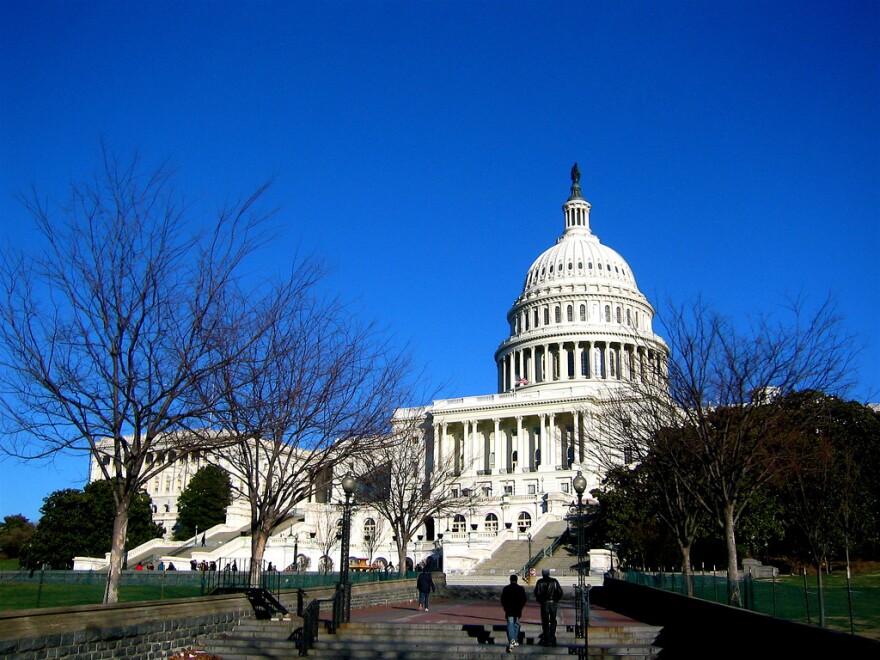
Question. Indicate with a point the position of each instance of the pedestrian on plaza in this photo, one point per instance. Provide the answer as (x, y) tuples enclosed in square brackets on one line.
[(425, 585), (513, 599), (161, 565), (548, 593)]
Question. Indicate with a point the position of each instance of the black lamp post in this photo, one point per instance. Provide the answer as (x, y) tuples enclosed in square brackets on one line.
[(582, 591), (529, 537), (348, 485)]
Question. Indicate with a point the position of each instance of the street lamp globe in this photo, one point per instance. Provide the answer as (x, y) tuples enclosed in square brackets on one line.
[(579, 483), (348, 484)]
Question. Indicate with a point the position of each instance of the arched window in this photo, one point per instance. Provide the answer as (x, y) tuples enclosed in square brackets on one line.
[(458, 523), (585, 363), (628, 318), (570, 313), (617, 314), (607, 313), (558, 314), (491, 523), (612, 363), (524, 522), (546, 316), (583, 313), (536, 318), (369, 528), (526, 315)]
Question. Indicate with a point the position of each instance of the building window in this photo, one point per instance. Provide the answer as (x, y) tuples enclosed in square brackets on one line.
[(546, 316), (628, 318), (526, 315), (583, 313), (508, 490), (617, 314), (607, 313), (558, 315), (628, 454), (532, 489), (458, 523), (524, 522), (491, 523), (570, 313), (369, 528), (536, 318), (564, 485), (455, 492)]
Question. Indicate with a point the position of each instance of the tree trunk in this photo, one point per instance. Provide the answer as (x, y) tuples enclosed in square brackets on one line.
[(117, 551), (686, 568), (401, 558), (821, 591), (259, 538), (734, 597)]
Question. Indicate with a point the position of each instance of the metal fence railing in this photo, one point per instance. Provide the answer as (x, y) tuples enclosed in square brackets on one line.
[(793, 598)]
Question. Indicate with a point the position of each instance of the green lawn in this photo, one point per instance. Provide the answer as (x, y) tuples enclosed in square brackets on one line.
[(25, 595), (793, 603)]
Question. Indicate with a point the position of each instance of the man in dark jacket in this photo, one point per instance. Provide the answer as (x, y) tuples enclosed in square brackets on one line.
[(425, 585), (513, 599), (548, 593)]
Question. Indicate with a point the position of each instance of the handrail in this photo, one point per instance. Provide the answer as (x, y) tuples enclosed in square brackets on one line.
[(544, 552), (311, 614)]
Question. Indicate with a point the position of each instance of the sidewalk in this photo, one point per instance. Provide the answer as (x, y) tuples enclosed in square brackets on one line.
[(480, 612)]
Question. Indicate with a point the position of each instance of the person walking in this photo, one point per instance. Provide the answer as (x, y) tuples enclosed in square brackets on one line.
[(548, 593), (425, 585), (513, 599)]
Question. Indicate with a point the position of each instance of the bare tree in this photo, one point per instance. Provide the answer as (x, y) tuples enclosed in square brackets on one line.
[(406, 481), (313, 392), (328, 533), (373, 535), (639, 423), (109, 332), (717, 403)]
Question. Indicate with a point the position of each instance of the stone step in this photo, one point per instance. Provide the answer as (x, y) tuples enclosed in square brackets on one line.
[(266, 640), (470, 651)]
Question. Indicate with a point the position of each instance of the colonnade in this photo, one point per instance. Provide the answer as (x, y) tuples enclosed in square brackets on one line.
[(576, 360), (508, 445)]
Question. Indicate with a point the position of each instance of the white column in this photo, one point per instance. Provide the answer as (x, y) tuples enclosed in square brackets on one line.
[(552, 444), (518, 445), (498, 445)]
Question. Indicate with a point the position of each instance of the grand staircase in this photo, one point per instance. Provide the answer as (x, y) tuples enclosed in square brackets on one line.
[(511, 556), (269, 640)]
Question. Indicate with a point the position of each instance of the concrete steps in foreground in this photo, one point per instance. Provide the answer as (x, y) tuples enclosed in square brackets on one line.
[(268, 640)]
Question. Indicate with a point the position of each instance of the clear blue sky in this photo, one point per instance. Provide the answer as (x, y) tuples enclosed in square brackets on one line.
[(729, 149)]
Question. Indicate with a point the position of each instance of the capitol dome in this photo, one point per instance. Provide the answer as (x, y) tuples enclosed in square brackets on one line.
[(580, 316)]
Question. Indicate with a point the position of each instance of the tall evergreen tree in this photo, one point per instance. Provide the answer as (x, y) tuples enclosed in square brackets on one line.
[(80, 523), (203, 502)]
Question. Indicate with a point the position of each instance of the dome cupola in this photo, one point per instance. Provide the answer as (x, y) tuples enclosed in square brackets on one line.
[(580, 315)]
